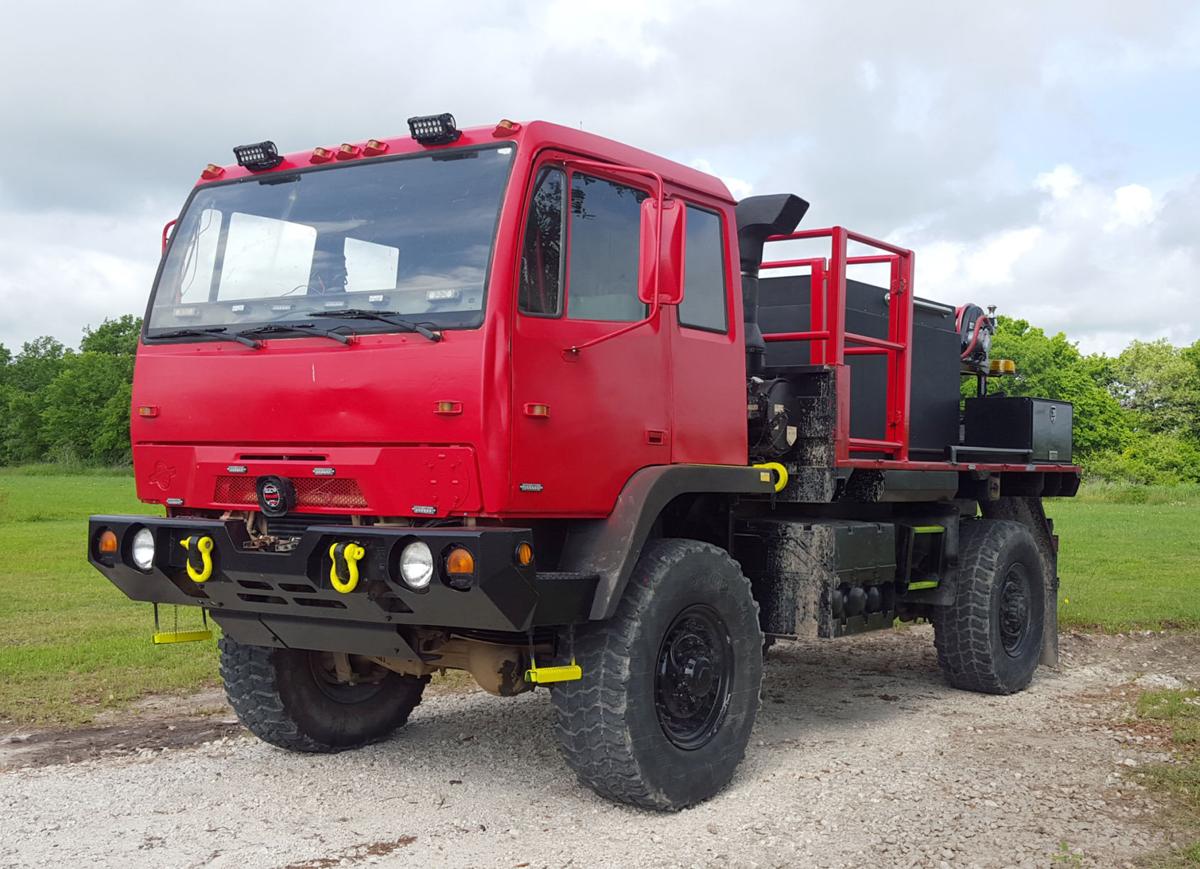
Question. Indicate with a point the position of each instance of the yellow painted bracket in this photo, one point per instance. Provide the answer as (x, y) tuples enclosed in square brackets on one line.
[(545, 675), (781, 474), (351, 553), (204, 548), (162, 638)]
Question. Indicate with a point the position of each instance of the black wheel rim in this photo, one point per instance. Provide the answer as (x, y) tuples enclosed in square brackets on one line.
[(694, 677), (1015, 601), (324, 673)]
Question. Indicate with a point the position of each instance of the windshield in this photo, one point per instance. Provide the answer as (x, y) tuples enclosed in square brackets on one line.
[(410, 236)]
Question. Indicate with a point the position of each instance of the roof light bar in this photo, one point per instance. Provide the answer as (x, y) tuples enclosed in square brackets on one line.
[(258, 157), (434, 129)]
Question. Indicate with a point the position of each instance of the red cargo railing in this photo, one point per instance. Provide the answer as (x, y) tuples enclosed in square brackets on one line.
[(831, 343)]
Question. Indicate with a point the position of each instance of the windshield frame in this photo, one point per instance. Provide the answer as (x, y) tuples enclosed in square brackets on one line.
[(154, 335)]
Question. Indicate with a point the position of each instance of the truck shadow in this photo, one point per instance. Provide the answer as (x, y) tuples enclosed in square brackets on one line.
[(813, 692)]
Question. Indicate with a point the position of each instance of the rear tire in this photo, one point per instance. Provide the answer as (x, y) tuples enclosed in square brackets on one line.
[(289, 698), (989, 640), (670, 687)]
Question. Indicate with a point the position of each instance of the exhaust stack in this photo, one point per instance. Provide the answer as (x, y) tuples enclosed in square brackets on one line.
[(759, 217)]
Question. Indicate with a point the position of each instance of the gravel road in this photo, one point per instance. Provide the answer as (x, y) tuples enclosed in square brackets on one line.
[(861, 756)]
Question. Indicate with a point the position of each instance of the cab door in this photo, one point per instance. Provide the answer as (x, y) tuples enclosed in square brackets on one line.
[(584, 418)]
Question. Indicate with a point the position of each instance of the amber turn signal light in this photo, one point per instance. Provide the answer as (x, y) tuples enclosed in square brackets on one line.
[(106, 543), (460, 562), (524, 554)]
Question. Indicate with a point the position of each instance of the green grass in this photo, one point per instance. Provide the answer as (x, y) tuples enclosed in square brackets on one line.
[(1179, 712), (70, 643), (1127, 565)]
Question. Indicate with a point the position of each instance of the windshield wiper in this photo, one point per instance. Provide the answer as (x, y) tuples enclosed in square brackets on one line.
[(217, 332), (310, 328), (391, 317)]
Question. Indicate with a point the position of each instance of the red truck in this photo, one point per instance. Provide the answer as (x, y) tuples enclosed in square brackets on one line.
[(524, 401)]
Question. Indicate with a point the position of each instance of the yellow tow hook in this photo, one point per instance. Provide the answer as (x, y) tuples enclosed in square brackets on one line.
[(781, 474), (352, 553), (202, 553)]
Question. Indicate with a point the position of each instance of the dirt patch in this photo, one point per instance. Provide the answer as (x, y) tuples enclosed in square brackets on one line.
[(861, 755)]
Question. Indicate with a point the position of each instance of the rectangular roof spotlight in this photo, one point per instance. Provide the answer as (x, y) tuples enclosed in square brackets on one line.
[(434, 129), (258, 157)]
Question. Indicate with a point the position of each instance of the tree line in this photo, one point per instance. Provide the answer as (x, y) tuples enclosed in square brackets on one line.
[(1137, 414)]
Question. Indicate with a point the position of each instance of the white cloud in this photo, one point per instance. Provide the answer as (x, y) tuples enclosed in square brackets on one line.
[(970, 135), (1132, 205), (738, 188), (1092, 263), (1060, 182)]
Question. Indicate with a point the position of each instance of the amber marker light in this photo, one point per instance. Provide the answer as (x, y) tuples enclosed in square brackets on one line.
[(321, 155), (375, 147), (460, 562), (106, 544), (211, 171), (524, 554), (148, 410), (348, 151)]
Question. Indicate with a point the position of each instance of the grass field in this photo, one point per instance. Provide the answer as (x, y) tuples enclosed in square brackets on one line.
[(72, 645)]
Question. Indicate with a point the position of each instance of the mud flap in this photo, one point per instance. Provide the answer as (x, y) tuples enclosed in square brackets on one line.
[(1030, 513)]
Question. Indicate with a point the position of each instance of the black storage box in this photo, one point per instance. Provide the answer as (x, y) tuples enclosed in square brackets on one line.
[(1038, 425)]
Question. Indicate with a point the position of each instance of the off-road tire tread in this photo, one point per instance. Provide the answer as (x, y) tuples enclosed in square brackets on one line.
[(597, 746), (962, 631), (252, 689)]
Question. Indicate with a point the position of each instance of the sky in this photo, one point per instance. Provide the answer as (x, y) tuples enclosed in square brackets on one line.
[(1041, 157)]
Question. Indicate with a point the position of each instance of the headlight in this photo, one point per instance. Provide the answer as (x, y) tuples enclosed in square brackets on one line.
[(416, 565), (142, 549)]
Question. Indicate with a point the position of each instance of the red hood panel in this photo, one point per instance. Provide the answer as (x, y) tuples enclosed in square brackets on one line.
[(417, 482), (381, 390), (367, 410)]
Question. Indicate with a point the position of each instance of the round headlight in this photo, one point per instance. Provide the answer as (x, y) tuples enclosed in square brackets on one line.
[(142, 549), (416, 565)]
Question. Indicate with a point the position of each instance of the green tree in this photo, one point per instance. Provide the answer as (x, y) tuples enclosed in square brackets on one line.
[(85, 413), (1160, 384), (118, 337), (22, 438)]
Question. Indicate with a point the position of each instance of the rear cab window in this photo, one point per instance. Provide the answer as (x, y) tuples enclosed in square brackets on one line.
[(705, 302)]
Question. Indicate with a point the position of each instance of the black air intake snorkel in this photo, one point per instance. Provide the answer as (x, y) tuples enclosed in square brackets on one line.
[(759, 217)]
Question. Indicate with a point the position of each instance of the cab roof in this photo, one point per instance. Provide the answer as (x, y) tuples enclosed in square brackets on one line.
[(530, 137)]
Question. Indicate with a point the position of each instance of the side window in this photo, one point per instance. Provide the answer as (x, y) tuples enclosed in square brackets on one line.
[(602, 269), (704, 305), (541, 253)]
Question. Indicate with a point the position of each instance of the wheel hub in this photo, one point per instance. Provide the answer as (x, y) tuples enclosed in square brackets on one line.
[(1014, 610), (693, 678)]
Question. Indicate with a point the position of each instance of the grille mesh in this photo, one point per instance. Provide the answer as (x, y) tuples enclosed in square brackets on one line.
[(310, 492)]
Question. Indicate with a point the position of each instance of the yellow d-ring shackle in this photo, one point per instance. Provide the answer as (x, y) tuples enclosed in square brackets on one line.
[(352, 553), (204, 548), (781, 474)]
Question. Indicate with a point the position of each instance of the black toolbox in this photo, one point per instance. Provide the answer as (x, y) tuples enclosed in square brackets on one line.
[(1037, 427)]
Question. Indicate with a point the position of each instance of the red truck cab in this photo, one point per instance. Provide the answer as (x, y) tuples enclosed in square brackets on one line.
[(515, 245)]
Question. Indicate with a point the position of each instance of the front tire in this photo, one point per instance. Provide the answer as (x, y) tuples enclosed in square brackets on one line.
[(292, 698), (670, 687), (989, 640)]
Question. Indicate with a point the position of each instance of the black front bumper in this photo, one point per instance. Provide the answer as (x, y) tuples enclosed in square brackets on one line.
[(287, 599)]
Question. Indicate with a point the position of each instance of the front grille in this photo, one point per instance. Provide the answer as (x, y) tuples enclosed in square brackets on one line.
[(310, 492), (294, 524)]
